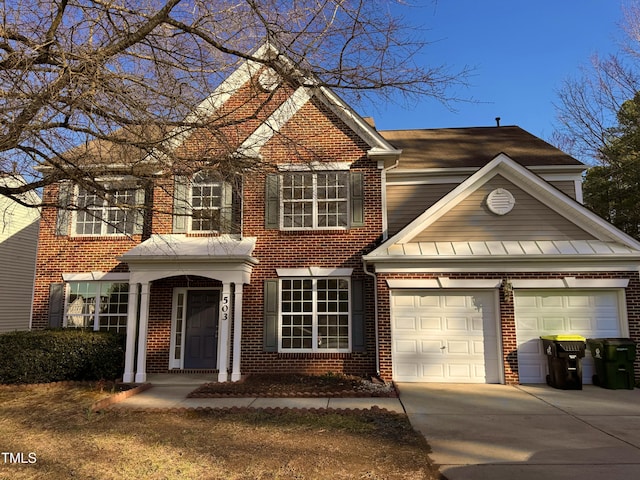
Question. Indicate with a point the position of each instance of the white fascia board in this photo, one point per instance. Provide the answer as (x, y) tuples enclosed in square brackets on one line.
[(543, 169), (417, 265)]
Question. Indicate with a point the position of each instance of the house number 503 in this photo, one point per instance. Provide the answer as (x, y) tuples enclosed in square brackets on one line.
[(225, 308)]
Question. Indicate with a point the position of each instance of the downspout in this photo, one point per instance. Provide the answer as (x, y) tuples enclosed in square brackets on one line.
[(385, 234), (375, 315)]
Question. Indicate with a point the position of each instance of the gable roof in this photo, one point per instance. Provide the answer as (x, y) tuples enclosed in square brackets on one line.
[(473, 147), (143, 145), (306, 89), (608, 241)]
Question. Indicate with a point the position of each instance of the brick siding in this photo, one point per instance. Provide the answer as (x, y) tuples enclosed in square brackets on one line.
[(313, 134)]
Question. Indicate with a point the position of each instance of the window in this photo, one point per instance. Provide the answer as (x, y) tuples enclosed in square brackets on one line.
[(97, 306), (210, 203), (315, 200), (114, 213), (315, 315)]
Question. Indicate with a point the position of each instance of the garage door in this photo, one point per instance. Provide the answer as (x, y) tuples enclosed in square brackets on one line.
[(588, 313), (448, 337)]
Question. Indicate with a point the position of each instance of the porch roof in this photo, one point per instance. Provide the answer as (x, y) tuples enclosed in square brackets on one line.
[(224, 258), (163, 248)]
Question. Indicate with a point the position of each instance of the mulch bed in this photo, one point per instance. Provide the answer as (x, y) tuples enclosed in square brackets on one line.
[(300, 386)]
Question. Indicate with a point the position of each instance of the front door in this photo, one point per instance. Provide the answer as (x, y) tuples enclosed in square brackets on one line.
[(201, 329)]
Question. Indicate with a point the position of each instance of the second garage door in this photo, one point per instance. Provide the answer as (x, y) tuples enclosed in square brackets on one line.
[(590, 313), (445, 337)]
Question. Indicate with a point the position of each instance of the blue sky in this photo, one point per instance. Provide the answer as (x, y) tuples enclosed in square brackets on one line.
[(522, 52)]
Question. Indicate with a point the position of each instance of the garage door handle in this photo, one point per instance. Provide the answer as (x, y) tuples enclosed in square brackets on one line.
[(443, 347)]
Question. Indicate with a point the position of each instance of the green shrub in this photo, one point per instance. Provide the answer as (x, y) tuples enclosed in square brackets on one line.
[(44, 356)]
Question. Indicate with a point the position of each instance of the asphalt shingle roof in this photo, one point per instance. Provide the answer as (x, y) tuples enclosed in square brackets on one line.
[(472, 147)]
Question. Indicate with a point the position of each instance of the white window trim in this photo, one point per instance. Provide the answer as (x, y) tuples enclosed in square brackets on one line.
[(105, 208), (314, 205), (314, 314), (225, 190), (96, 313)]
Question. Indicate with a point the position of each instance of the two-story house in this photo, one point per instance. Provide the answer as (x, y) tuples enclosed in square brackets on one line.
[(427, 255)]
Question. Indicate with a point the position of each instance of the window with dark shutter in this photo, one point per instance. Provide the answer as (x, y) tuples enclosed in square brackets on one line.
[(305, 200)]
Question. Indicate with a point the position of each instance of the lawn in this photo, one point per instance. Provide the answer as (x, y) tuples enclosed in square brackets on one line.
[(60, 438)]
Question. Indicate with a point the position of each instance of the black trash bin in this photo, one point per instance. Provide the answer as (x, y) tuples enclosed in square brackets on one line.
[(564, 355), (613, 358)]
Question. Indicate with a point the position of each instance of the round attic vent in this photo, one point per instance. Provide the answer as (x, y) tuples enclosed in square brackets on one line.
[(269, 80), (500, 201)]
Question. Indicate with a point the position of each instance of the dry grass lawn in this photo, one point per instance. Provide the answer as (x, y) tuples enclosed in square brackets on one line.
[(55, 424)]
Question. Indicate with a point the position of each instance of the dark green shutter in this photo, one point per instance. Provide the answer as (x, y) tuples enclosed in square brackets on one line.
[(138, 222), (65, 194), (270, 315), (180, 204), (357, 199), (226, 209), (358, 343), (272, 202), (56, 304)]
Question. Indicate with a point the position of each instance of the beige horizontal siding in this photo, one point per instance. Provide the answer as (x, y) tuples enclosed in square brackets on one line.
[(530, 219), (567, 187), (406, 202), (17, 257)]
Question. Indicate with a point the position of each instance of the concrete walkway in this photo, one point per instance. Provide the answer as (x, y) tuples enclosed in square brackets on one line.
[(171, 391), (527, 432)]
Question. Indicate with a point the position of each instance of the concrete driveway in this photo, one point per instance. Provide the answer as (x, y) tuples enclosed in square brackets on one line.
[(527, 431)]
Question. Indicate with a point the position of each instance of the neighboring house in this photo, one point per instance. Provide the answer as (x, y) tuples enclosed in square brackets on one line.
[(425, 255), (18, 244)]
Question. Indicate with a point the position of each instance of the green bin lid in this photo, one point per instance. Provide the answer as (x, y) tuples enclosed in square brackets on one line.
[(565, 338)]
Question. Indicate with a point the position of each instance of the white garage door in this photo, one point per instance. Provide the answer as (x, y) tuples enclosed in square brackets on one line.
[(588, 313), (448, 337)]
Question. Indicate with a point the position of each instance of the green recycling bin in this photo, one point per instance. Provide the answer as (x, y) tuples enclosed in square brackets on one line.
[(613, 358), (564, 355)]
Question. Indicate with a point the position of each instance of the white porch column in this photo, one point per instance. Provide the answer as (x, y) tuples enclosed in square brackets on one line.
[(223, 332), (132, 315), (237, 333), (141, 371)]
